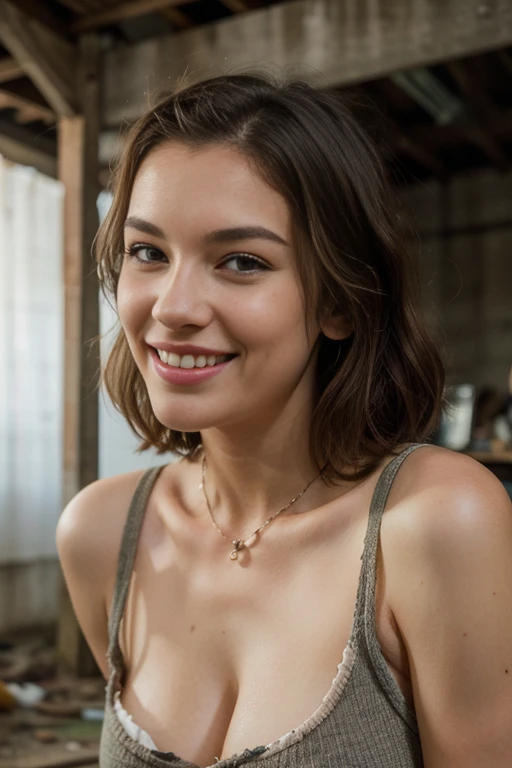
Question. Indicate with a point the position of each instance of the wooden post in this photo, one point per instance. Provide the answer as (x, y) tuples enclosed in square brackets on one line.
[(78, 170)]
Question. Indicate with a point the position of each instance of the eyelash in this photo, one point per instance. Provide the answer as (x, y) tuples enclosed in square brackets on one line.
[(133, 250)]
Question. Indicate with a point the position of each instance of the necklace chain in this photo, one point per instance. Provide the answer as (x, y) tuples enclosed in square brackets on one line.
[(239, 544)]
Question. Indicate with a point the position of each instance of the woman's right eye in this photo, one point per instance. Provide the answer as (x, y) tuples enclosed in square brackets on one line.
[(144, 254)]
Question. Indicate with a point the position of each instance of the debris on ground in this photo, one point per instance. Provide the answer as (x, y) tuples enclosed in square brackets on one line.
[(46, 720)]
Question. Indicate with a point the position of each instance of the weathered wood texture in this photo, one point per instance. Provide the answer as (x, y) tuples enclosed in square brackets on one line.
[(127, 10), (78, 170), (331, 42), (45, 57)]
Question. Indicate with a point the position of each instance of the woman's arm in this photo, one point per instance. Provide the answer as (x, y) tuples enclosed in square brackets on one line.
[(450, 576), (89, 536)]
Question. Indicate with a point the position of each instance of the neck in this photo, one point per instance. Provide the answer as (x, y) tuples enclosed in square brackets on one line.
[(251, 474)]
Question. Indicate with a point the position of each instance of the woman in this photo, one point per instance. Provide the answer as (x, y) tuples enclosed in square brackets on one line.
[(270, 335)]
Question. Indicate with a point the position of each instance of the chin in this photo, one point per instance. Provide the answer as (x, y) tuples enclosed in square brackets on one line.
[(182, 419)]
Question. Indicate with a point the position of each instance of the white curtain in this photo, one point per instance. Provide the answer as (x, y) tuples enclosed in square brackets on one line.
[(31, 362)]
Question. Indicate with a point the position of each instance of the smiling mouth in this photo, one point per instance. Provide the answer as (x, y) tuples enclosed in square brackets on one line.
[(192, 361)]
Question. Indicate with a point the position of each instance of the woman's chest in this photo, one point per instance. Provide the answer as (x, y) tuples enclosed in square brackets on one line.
[(218, 662)]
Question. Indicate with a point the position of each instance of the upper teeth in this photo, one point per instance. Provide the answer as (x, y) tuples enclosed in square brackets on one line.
[(189, 361)]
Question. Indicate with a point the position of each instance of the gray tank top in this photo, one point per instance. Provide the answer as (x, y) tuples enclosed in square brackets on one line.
[(363, 721)]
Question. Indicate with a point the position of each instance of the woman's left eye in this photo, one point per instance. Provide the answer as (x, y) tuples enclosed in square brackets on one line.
[(244, 264)]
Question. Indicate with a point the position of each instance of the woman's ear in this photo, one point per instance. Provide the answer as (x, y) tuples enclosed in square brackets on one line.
[(336, 327)]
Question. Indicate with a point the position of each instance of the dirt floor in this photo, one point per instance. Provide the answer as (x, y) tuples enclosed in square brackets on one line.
[(46, 720)]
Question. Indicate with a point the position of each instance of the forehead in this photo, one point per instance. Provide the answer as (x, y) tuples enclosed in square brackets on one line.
[(213, 185)]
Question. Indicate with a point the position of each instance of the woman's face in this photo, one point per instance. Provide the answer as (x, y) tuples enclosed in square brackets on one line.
[(216, 277)]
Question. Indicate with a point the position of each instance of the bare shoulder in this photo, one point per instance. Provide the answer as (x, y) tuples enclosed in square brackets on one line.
[(443, 508), (92, 524), (438, 491), (89, 536), (446, 551)]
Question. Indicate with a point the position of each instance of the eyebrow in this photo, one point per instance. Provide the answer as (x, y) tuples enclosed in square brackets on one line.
[(217, 236), (144, 226), (244, 233)]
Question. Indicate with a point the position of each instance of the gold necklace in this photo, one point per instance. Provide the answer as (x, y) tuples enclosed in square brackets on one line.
[(239, 544)]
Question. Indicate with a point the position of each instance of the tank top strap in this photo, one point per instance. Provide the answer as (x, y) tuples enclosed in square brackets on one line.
[(365, 630), (125, 565), (368, 576)]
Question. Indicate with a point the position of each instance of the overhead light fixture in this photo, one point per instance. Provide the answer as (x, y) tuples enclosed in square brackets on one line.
[(431, 94)]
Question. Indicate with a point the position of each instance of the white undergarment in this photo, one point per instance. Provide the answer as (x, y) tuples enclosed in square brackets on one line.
[(132, 729)]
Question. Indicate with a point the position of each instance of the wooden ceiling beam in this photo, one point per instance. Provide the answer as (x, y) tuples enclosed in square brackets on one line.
[(352, 42), (117, 13), (48, 60), (10, 70), (25, 89), (24, 108)]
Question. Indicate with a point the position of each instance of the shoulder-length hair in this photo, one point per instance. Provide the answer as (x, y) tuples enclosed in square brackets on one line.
[(377, 390)]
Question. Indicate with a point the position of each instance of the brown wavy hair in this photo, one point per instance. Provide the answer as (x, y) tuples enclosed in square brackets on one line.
[(377, 390)]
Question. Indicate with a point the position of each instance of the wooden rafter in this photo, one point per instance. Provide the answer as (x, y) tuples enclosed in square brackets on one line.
[(10, 70), (126, 10), (342, 51), (47, 59), (486, 116), (27, 107)]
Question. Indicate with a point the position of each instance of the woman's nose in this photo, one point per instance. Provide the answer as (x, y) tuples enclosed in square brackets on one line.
[(182, 301)]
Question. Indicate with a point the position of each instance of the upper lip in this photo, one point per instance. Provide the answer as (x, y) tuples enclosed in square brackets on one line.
[(187, 349)]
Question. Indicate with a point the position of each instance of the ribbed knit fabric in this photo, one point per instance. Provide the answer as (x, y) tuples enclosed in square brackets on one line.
[(364, 720)]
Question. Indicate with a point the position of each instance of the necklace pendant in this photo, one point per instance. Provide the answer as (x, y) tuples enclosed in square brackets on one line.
[(238, 545)]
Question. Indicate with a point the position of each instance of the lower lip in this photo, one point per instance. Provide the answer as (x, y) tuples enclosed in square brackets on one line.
[(186, 375)]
